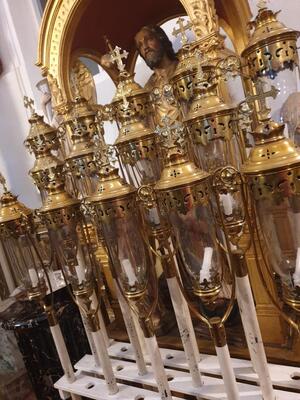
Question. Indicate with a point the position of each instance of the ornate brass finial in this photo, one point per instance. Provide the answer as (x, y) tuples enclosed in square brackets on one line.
[(122, 91), (173, 133), (182, 30), (29, 104), (117, 56), (3, 183), (262, 4)]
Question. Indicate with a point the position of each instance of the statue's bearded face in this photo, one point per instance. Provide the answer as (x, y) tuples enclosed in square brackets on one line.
[(150, 48)]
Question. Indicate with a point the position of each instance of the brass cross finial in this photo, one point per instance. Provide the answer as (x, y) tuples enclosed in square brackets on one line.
[(123, 95), (262, 4), (3, 183), (29, 103), (261, 96), (182, 29), (117, 55)]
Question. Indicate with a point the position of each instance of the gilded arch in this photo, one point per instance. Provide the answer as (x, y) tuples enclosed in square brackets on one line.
[(62, 17)]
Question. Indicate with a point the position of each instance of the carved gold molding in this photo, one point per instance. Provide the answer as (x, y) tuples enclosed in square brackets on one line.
[(61, 18)]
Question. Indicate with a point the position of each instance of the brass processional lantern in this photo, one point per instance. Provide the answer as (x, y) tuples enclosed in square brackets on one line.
[(212, 123), (115, 209), (272, 176), (141, 157), (88, 145), (135, 143), (81, 131), (199, 87), (71, 250), (216, 131), (18, 233), (272, 57), (77, 132), (182, 193)]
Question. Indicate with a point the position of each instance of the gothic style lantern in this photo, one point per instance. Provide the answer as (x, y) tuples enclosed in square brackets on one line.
[(231, 216), (183, 198), (82, 133), (115, 208), (212, 124), (18, 235), (41, 141), (72, 252), (135, 143), (272, 173), (182, 79), (271, 55), (71, 247)]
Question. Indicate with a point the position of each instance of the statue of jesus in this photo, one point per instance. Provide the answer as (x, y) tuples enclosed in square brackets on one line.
[(156, 49)]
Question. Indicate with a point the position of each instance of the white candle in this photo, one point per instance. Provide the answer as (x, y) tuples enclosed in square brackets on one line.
[(206, 264), (226, 200), (129, 271), (33, 277), (80, 273), (296, 275)]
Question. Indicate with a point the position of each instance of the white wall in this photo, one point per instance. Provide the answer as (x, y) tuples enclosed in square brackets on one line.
[(19, 26)]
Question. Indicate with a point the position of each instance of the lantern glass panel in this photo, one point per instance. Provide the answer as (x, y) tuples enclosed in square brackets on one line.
[(285, 82), (25, 261), (70, 248), (196, 238), (279, 218), (128, 253)]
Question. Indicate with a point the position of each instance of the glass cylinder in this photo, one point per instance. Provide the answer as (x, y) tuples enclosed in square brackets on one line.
[(17, 232), (279, 219), (70, 246), (195, 235), (127, 249), (285, 81), (141, 160)]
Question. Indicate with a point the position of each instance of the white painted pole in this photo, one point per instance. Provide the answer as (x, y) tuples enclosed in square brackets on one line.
[(140, 334), (132, 332), (227, 373), (90, 339), (186, 312), (184, 329), (95, 304), (158, 368), (62, 352), (108, 373), (253, 336), (63, 356)]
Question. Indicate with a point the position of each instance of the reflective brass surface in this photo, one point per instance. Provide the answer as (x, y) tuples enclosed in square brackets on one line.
[(272, 46), (272, 152), (11, 209), (218, 333)]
